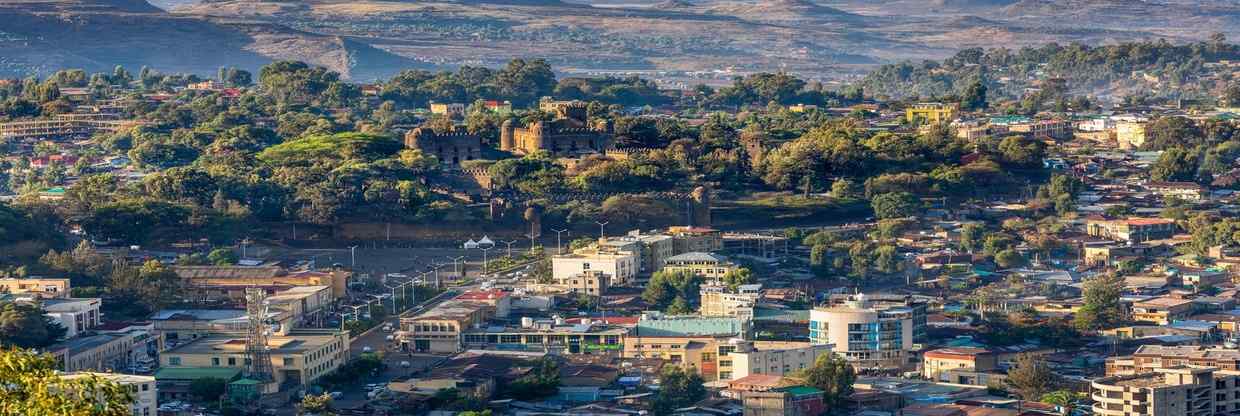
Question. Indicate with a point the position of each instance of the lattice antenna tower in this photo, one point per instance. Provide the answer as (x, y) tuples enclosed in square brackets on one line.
[(256, 350)]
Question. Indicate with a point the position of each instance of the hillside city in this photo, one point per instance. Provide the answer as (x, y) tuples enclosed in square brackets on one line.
[(1051, 231)]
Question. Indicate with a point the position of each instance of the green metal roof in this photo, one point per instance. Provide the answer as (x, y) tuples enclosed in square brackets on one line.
[(246, 381), (194, 373), (679, 327)]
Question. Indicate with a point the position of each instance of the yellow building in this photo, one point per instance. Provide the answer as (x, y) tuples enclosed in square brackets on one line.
[(709, 266), (700, 344), (297, 359), (1162, 311), (145, 397), (1130, 134), (230, 282), (932, 113), (45, 288), (438, 330), (938, 364), (620, 266)]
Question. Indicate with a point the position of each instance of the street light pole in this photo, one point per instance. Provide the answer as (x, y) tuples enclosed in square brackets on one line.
[(600, 228), (456, 262), (532, 237), (558, 249), (509, 243)]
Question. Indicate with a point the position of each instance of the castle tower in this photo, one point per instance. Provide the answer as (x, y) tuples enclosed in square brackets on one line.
[(701, 207), (505, 136), (537, 131)]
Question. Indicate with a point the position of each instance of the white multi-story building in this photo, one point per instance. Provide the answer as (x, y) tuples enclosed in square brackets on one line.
[(75, 314), (720, 300), (620, 265), (143, 389), (776, 360), (865, 335)]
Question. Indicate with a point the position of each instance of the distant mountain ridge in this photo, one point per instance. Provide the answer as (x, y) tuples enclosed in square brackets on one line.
[(363, 39)]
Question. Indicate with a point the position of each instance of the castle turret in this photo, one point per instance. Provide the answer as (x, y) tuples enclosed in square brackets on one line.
[(537, 131), (505, 136)]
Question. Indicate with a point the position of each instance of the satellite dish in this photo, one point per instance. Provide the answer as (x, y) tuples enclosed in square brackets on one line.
[(471, 244)]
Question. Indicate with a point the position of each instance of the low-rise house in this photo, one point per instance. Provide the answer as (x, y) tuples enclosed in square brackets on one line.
[(958, 365), (1162, 310)]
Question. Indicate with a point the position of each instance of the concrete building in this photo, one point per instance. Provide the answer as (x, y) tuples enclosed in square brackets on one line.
[(948, 364), (75, 314), (1162, 311), (696, 343), (620, 265), (652, 250), (305, 304), (297, 359), (1134, 230), (145, 396), (1184, 191), (590, 282), (101, 352), (720, 300), (1041, 129), (1179, 391), (896, 305), (448, 109), (499, 300), (1130, 134), (1148, 358), (866, 336), (686, 239), (439, 329), (784, 401), (45, 288), (230, 282), (774, 360), (553, 336), (932, 113), (709, 266)]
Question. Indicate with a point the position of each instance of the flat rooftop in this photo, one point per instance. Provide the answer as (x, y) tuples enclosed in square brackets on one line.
[(220, 344)]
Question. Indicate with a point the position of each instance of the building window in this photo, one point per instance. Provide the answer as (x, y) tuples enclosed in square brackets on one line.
[(215, 361), (288, 361), (174, 360), (232, 361)]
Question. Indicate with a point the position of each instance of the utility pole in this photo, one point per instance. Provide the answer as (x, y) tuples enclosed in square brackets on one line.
[(456, 262), (558, 249)]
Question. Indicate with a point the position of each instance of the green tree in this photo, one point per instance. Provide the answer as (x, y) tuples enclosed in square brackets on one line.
[(34, 387), (974, 96), (542, 381), (1102, 308), (738, 276), (1175, 164), (971, 237), (843, 188), (222, 256), (207, 389), (834, 376), (1031, 378), (1009, 258), (317, 404), (678, 388), (895, 205), (26, 326)]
